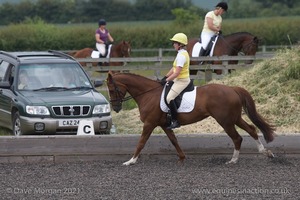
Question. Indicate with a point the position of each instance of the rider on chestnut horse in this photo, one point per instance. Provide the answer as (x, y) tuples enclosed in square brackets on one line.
[(179, 74)]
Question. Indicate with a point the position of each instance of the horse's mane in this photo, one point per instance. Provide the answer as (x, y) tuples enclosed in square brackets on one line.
[(239, 33), (136, 76)]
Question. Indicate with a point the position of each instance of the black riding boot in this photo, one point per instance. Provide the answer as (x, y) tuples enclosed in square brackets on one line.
[(174, 123), (203, 52)]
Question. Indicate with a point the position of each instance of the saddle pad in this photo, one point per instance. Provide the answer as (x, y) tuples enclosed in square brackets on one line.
[(187, 103), (95, 54), (196, 49)]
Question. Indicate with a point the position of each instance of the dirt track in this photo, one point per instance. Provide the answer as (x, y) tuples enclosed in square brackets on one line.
[(155, 177)]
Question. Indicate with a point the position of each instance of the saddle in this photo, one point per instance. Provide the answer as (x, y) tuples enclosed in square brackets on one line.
[(178, 99)]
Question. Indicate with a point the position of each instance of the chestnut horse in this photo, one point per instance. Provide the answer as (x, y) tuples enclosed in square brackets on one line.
[(229, 45), (221, 102), (122, 49)]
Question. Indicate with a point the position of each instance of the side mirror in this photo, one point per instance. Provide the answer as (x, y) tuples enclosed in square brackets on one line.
[(98, 83)]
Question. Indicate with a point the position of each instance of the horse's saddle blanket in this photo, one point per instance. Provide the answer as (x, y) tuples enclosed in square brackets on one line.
[(96, 54), (211, 46), (187, 101)]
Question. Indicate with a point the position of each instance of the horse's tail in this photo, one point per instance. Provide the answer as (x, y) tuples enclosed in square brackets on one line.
[(257, 119)]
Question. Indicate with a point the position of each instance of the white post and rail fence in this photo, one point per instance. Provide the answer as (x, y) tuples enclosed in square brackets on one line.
[(160, 62)]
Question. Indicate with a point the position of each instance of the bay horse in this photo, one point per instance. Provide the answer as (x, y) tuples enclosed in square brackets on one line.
[(231, 45), (122, 49), (223, 103)]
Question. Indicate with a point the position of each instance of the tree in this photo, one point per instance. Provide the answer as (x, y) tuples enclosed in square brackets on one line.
[(185, 16)]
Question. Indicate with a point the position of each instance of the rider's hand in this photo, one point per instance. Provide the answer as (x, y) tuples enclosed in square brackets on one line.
[(163, 81)]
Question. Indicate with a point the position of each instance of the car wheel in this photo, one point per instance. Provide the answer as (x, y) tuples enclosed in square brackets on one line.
[(17, 124)]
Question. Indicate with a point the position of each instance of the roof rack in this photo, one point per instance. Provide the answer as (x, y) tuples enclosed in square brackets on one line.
[(55, 52), (9, 55)]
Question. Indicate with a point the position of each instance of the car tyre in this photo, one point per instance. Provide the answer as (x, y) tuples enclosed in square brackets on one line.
[(17, 124)]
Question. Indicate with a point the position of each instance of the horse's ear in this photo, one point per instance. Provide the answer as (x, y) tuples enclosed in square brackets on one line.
[(109, 76), (256, 40)]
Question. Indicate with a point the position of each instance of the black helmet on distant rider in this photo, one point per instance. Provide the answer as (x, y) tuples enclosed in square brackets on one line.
[(222, 5), (102, 22)]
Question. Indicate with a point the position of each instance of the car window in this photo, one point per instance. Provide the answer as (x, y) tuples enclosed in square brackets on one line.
[(52, 75), (3, 70)]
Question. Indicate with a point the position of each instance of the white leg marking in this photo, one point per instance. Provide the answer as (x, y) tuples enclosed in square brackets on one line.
[(260, 146), (131, 161), (263, 150), (235, 157)]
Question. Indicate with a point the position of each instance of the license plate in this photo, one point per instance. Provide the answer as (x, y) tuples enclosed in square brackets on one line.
[(69, 122)]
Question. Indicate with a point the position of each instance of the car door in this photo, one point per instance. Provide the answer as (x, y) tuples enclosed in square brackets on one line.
[(6, 94)]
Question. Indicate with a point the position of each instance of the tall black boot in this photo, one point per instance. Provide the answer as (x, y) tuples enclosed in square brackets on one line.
[(174, 123), (202, 52)]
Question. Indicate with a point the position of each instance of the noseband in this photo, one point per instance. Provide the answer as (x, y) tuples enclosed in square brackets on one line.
[(119, 94)]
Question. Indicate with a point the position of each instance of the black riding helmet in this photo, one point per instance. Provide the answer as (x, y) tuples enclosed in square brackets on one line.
[(222, 5), (102, 22)]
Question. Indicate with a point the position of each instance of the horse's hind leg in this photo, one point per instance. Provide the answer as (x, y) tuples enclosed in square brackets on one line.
[(253, 133), (174, 141)]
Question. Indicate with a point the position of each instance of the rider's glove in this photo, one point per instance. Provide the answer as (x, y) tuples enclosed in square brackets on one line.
[(163, 81)]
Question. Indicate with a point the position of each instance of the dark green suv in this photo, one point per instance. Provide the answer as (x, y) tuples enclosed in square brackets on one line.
[(48, 93)]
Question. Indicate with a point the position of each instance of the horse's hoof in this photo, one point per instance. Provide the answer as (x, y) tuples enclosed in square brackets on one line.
[(270, 154), (130, 162), (126, 163), (231, 162), (180, 162)]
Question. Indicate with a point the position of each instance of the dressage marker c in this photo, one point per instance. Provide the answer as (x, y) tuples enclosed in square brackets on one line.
[(86, 127)]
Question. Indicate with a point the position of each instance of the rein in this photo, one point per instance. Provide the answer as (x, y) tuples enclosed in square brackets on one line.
[(231, 47), (119, 95)]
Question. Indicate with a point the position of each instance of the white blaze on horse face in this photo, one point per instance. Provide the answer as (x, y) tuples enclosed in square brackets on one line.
[(131, 161), (235, 157)]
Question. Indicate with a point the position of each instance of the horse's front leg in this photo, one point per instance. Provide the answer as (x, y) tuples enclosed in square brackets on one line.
[(147, 130), (173, 139)]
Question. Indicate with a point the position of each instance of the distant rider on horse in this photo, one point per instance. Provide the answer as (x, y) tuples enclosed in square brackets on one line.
[(212, 26), (103, 37)]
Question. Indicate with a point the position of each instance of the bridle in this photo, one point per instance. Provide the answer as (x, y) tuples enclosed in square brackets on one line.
[(125, 51), (124, 47), (120, 95)]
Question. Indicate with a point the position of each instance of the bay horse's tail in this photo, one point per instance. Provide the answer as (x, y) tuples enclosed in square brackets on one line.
[(250, 109)]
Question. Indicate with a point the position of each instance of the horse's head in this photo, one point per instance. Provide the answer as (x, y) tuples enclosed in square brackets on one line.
[(117, 92), (250, 47), (125, 49)]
